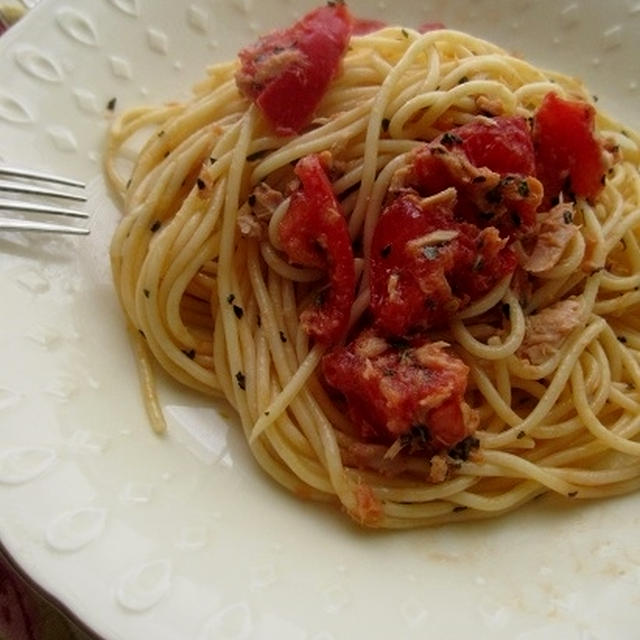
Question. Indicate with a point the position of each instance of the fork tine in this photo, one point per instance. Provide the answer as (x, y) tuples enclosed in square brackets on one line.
[(14, 172), (15, 187), (29, 225), (12, 205), (15, 180)]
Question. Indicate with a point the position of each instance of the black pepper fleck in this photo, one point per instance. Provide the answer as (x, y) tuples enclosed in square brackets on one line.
[(449, 139), (462, 450)]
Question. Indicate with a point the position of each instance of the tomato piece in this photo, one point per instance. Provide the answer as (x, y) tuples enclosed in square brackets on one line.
[(425, 266), (569, 157), (484, 197), (314, 233), (287, 72), (502, 144), (395, 389), (490, 166)]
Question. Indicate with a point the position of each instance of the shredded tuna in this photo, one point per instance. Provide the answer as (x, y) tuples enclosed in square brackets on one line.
[(554, 232), (490, 106), (368, 510), (249, 227), (267, 200), (547, 330), (264, 201), (438, 469), (269, 67)]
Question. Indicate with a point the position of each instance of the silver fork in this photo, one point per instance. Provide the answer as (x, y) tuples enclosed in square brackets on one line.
[(37, 200)]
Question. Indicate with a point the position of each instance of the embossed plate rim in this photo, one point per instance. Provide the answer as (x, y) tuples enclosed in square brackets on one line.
[(278, 584)]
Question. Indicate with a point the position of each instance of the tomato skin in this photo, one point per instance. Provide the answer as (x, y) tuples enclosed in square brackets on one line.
[(287, 72), (415, 289), (314, 233), (567, 150), (390, 389), (502, 144)]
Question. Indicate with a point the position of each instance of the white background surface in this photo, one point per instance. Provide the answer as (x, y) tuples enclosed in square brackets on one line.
[(182, 536)]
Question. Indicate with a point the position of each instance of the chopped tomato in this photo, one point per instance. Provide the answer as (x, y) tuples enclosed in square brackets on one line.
[(490, 164), (362, 26), (485, 197), (412, 389), (314, 233), (287, 72), (425, 266), (569, 157), (502, 144)]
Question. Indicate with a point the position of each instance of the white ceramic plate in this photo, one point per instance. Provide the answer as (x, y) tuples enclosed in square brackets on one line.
[(182, 537)]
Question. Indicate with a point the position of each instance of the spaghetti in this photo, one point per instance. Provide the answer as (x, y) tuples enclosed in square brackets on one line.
[(210, 294)]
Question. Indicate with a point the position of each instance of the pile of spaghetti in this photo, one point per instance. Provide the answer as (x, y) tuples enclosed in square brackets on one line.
[(409, 261)]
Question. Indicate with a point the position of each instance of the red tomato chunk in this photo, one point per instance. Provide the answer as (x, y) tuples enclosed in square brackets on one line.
[(425, 266), (393, 390), (569, 158), (490, 166), (502, 144), (314, 233), (287, 72)]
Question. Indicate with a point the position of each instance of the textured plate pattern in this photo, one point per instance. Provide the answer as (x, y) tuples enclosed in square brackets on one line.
[(182, 537)]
